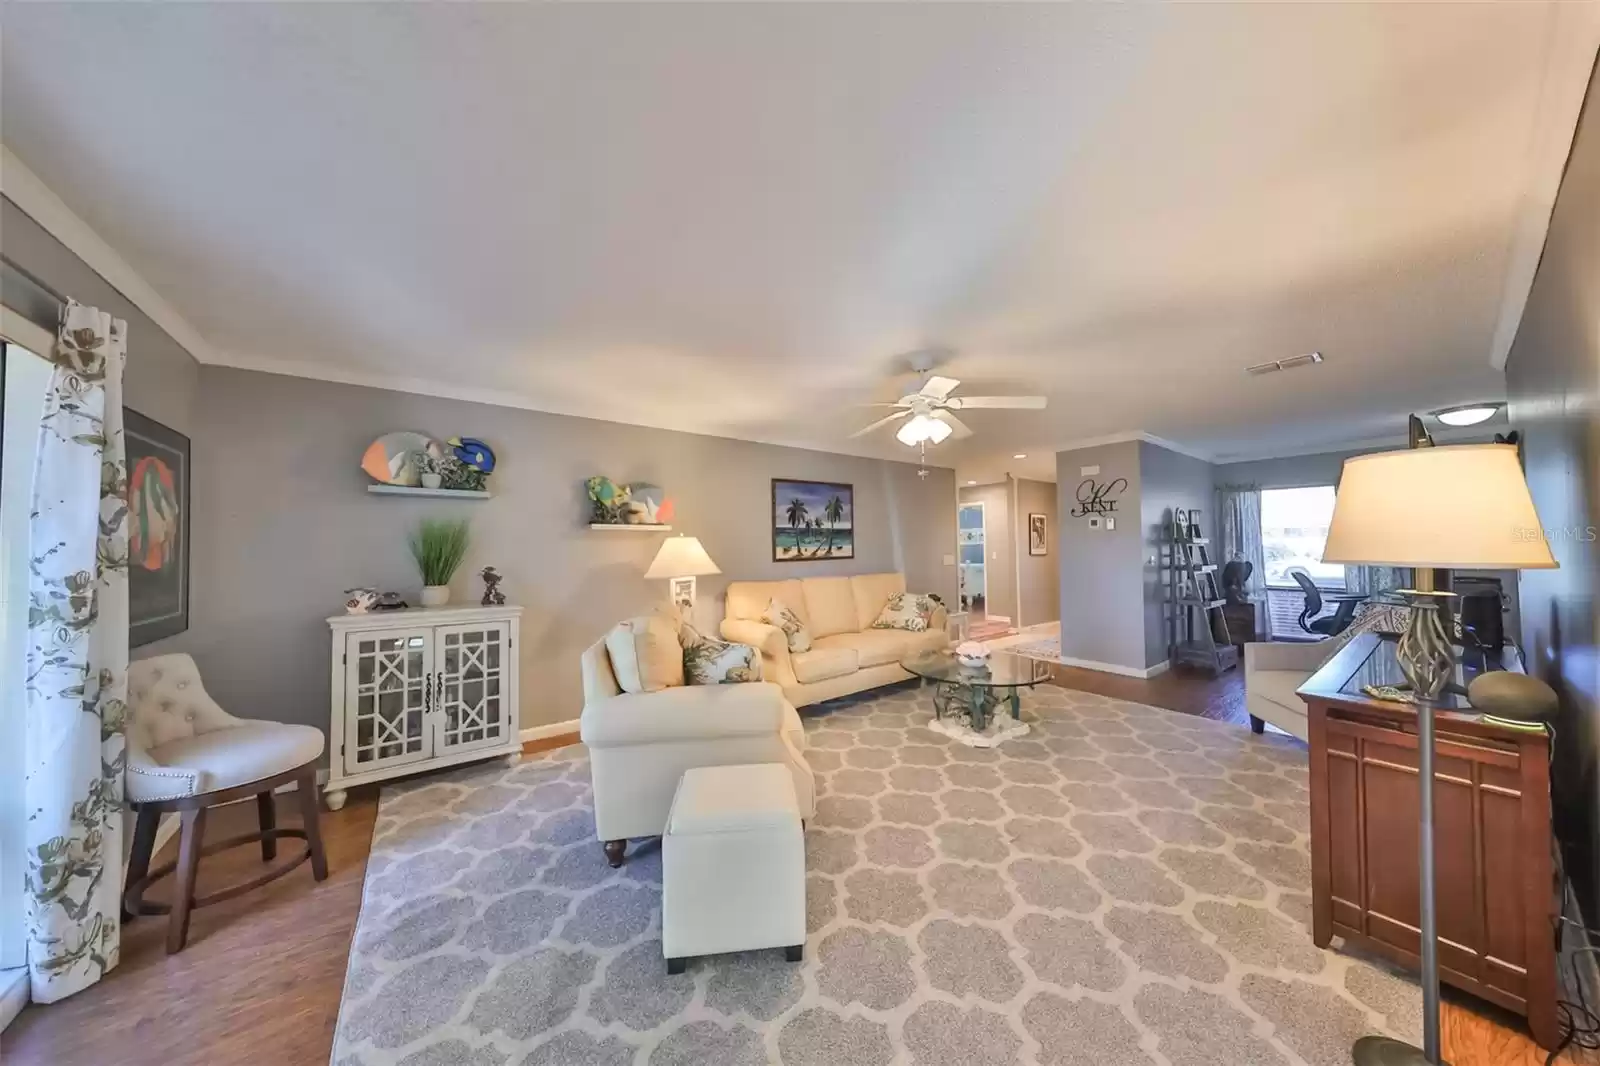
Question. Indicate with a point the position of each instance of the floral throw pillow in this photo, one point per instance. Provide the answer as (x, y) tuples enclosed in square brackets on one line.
[(778, 614), (709, 661), (906, 610)]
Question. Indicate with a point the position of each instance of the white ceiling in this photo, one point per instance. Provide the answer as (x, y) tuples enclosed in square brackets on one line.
[(729, 219)]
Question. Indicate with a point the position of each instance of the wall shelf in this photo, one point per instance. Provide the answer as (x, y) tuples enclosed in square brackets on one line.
[(407, 490), (636, 527)]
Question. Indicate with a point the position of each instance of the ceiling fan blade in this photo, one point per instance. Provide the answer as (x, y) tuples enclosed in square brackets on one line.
[(939, 388), (962, 430), (864, 430), (967, 403)]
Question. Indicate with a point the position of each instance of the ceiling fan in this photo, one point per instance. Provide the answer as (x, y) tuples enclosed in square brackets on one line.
[(930, 411)]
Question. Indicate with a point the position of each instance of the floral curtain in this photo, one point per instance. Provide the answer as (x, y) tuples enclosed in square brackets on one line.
[(77, 660), (1240, 507)]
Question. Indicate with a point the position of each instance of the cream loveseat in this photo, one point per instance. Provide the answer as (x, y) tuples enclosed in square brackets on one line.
[(847, 655), (640, 743)]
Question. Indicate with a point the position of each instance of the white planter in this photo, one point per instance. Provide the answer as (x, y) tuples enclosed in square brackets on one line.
[(431, 481), (435, 595)]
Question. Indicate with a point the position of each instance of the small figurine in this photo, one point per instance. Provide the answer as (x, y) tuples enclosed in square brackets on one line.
[(390, 601), (492, 596), (360, 601), (474, 453)]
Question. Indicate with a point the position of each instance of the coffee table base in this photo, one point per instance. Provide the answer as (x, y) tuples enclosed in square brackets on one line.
[(997, 729)]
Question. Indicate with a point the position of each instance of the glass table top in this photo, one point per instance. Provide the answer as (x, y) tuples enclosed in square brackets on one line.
[(1003, 670)]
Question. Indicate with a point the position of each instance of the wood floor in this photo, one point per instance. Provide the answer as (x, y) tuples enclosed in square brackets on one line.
[(259, 984)]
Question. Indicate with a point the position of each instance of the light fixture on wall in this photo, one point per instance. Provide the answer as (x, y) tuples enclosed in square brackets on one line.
[(920, 428), (680, 560), (1467, 414)]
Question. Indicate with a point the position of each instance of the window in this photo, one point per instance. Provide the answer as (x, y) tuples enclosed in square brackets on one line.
[(23, 379), (1294, 530)]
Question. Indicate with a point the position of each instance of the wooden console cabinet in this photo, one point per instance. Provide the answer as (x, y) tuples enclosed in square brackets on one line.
[(1493, 845)]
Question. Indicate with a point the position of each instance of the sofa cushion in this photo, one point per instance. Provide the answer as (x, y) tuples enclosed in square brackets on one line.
[(819, 664), (223, 758), (906, 611), (645, 654), (749, 599), (873, 647), (871, 592), (709, 661), (794, 628), (830, 606)]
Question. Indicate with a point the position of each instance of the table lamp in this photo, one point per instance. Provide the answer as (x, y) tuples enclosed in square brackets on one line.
[(680, 560), (1463, 506)]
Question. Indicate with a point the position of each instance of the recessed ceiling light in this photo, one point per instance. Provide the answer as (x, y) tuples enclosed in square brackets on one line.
[(1020, 455), (1468, 414), (972, 483)]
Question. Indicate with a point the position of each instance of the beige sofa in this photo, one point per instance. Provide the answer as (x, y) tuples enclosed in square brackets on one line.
[(847, 655), (640, 743)]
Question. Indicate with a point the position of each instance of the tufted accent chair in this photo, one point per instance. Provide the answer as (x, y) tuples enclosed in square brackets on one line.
[(185, 754)]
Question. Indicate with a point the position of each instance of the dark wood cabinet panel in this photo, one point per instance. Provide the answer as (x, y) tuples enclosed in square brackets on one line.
[(1496, 892)]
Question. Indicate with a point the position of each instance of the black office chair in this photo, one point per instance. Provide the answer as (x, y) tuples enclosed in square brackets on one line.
[(1332, 625)]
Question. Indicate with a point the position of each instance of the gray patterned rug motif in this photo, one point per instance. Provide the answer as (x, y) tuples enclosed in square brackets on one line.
[(1124, 886)]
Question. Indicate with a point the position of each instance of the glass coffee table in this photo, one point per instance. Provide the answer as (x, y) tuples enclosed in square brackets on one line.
[(965, 698)]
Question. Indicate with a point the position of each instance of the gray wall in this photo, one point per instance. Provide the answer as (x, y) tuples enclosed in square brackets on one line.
[(284, 524), (1553, 380), (1040, 575), (1000, 561), (161, 380), (1169, 480), (1102, 608)]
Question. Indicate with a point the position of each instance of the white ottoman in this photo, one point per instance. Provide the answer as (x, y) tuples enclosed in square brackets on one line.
[(733, 865)]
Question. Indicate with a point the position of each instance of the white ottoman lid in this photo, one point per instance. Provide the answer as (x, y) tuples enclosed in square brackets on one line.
[(722, 799)]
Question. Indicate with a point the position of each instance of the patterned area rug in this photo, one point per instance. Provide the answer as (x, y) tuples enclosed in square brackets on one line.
[(1125, 886), (1048, 650)]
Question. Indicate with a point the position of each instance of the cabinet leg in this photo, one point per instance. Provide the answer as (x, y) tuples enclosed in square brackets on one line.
[(335, 800), (513, 759), (615, 850), (1257, 726), (676, 966), (794, 952)]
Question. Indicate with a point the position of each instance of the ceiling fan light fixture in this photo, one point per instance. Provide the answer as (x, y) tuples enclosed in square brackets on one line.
[(919, 428), (1468, 414)]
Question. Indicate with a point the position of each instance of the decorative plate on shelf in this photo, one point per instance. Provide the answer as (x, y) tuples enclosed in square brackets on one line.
[(388, 459)]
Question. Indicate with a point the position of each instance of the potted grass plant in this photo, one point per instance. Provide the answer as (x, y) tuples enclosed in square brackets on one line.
[(438, 546)]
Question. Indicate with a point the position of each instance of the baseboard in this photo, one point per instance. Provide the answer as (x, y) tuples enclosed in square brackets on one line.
[(554, 729), (1113, 668), (13, 994)]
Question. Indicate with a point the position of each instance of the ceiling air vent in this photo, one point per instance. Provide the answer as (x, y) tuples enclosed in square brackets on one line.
[(1284, 364)]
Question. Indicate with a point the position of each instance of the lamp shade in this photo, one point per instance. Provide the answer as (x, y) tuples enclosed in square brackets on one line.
[(1456, 507), (681, 557)]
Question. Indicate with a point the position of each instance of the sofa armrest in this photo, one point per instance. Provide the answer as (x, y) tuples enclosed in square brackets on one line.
[(1301, 657), (769, 640), (683, 712)]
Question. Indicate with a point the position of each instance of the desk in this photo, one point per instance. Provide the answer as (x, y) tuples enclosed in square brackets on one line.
[(1496, 876)]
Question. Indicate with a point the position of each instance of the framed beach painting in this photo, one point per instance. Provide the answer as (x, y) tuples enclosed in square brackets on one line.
[(158, 529), (812, 520), (1038, 535)]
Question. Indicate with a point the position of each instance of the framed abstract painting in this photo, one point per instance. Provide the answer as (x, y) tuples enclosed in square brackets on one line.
[(812, 520), (158, 529)]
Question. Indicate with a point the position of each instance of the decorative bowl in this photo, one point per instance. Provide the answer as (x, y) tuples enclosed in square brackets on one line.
[(971, 654)]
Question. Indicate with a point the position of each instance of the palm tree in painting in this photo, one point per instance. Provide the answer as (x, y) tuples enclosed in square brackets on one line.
[(797, 516), (833, 511)]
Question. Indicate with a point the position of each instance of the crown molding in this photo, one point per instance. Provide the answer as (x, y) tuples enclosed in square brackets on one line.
[(1571, 42), (498, 398), (25, 189)]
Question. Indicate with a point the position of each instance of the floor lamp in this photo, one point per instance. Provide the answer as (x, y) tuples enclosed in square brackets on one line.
[(1456, 507)]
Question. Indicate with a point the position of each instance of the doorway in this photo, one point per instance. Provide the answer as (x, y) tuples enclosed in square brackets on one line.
[(972, 529)]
